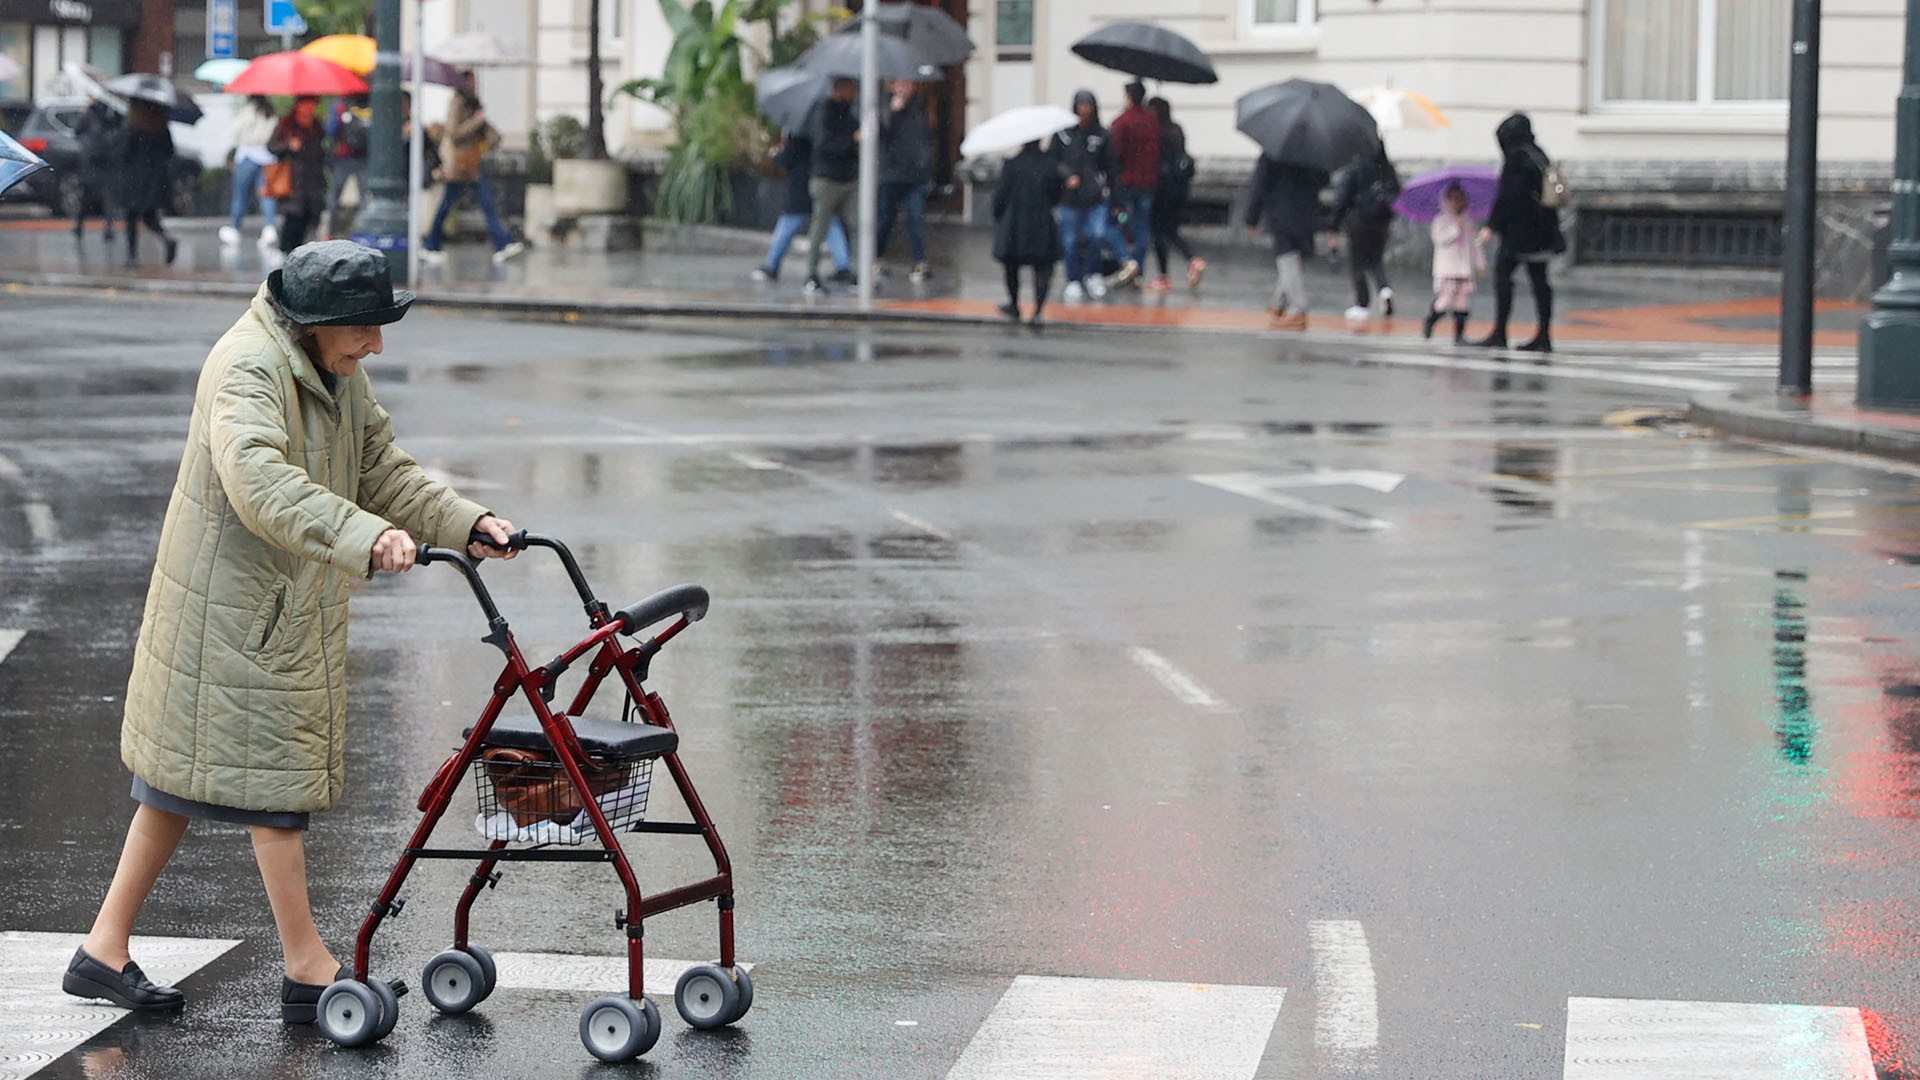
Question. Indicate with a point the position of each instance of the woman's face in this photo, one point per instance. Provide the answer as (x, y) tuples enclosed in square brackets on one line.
[(339, 349), (303, 111), (1456, 200)]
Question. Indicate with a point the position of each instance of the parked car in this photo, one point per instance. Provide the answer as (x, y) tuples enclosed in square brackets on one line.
[(48, 129)]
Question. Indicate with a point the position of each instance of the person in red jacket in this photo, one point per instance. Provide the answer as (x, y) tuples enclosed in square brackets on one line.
[(1136, 142)]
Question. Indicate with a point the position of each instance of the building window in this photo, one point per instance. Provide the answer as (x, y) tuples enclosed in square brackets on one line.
[(1695, 52), (1013, 26), (15, 46), (1265, 15)]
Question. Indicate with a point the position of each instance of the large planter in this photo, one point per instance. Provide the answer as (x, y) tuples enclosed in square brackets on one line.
[(757, 199), (582, 187), (540, 213)]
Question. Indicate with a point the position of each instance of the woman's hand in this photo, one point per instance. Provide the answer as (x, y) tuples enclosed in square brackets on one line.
[(1485, 237), (394, 552), (499, 529)]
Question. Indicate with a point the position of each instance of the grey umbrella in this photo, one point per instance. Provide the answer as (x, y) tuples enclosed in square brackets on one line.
[(159, 91), (787, 95), (934, 36), (1306, 123), (1146, 51), (16, 162), (837, 56)]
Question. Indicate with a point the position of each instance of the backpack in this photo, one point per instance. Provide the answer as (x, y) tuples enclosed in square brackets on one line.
[(1375, 201)]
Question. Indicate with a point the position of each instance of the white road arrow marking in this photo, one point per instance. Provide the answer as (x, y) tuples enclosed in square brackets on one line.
[(9, 639), (1266, 488)]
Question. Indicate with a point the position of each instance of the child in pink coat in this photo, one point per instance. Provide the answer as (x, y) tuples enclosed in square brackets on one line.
[(1457, 257)]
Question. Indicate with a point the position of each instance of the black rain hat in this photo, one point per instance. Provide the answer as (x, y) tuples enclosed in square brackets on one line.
[(337, 283)]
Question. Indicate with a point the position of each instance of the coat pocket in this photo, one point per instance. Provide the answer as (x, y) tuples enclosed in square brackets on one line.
[(264, 637)]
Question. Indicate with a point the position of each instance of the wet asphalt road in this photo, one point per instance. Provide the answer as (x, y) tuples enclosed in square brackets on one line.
[(993, 686)]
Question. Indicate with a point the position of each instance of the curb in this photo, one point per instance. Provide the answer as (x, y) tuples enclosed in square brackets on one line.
[(1766, 422)]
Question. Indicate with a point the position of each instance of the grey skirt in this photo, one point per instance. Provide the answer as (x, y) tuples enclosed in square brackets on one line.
[(146, 794)]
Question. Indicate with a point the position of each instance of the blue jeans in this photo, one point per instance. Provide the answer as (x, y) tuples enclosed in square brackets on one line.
[(792, 225), (1138, 204), (914, 196), (482, 191), (1082, 225), (246, 184)]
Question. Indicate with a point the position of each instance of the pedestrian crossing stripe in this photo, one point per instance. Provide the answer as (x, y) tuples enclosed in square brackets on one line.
[(1618, 1038), (8, 640), (40, 1023), (1046, 1028)]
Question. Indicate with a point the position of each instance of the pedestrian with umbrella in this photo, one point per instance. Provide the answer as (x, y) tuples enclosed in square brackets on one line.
[(147, 172), (1024, 230), (1457, 258), (1363, 207), (300, 142), (1528, 229), (1286, 199), (906, 168), (1170, 198), (795, 156), (253, 124), (834, 130), (102, 134), (1136, 147), (1085, 156), (463, 154)]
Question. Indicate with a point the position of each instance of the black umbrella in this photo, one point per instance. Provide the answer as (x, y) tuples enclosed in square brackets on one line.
[(787, 95), (934, 35), (160, 92), (837, 56), (16, 162), (1146, 51), (1307, 123)]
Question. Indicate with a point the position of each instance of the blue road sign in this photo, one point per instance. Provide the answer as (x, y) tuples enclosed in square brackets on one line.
[(283, 19), (223, 28)]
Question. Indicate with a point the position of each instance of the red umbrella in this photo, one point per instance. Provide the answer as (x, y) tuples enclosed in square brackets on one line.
[(296, 74)]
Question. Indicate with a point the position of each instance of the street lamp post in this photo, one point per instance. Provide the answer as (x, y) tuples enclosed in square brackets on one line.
[(1890, 339), (382, 221)]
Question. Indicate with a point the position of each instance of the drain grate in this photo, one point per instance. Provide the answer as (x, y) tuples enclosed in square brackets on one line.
[(1678, 238)]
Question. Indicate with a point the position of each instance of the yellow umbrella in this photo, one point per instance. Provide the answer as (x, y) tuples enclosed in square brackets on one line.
[(1395, 109), (355, 52)]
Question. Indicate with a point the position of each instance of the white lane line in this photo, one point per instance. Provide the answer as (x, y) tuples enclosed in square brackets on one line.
[(756, 462), (921, 524), (9, 471), (39, 1023), (1047, 1028), (586, 974), (1553, 371), (40, 522), (1346, 1022), (1618, 1038), (1178, 683), (9, 639), (457, 481), (1260, 489)]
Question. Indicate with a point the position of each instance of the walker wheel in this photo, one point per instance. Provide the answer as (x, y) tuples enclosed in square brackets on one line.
[(616, 1028), (492, 973), (745, 983), (455, 982), (389, 1007), (350, 1013), (707, 997)]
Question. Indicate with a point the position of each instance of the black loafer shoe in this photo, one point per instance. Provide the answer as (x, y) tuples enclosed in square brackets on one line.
[(128, 988), (300, 1002)]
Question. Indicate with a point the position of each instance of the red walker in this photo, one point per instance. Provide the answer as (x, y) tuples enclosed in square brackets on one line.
[(552, 780)]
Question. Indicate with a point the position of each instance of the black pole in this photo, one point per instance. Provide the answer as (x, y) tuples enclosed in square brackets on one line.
[(1890, 338), (1803, 127), (382, 222)]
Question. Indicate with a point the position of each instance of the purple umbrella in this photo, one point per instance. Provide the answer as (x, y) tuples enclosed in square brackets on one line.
[(438, 72), (1420, 198)]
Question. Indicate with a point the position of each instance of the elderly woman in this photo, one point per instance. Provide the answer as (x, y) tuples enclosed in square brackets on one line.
[(291, 486)]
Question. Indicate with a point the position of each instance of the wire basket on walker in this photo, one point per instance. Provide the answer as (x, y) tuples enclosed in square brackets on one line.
[(547, 782)]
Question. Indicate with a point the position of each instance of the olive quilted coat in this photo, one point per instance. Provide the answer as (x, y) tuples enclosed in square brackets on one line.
[(238, 695)]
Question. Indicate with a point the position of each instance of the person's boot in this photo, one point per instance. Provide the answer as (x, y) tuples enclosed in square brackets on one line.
[(1427, 324), (1011, 311), (1459, 328), (1541, 342)]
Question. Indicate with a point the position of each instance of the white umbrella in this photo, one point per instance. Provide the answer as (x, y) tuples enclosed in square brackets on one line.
[(1017, 127), (479, 49), (1395, 109), (79, 80)]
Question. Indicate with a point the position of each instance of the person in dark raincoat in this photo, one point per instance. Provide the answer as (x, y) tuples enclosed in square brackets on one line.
[(1363, 207), (102, 136), (1286, 198), (300, 141), (1171, 197), (1529, 233), (147, 176), (1024, 231)]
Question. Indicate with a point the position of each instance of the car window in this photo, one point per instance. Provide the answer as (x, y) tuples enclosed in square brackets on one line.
[(67, 119)]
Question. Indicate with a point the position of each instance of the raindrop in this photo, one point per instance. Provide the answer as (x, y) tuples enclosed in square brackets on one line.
[(906, 1023)]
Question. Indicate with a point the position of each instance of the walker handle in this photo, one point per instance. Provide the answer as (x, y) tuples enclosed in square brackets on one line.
[(516, 540), (426, 553)]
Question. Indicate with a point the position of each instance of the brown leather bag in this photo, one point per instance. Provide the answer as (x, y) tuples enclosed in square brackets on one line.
[(276, 180), (532, 787)]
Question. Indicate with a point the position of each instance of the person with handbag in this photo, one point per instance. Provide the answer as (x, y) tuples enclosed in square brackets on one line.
[(1529, 232), (291, 488), (467, 140), (299, 178), (253, 124)]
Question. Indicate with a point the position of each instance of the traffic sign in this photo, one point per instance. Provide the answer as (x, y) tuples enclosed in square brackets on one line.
[(223, 28), (282, 18)]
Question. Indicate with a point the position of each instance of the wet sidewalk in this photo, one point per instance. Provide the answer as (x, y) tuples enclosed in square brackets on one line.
[(1828, 419), (704, 271)]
